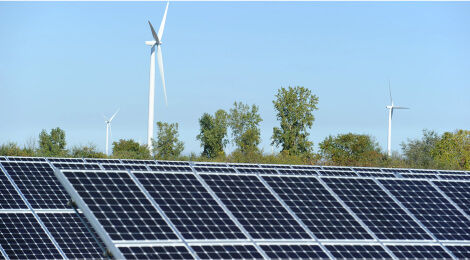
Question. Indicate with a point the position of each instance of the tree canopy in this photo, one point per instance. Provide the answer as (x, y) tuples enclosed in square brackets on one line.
[(213, 133), (130, 149), (52, 144), (167, 146), (294, 110), (452, 151), (244, 123), (418, 152)]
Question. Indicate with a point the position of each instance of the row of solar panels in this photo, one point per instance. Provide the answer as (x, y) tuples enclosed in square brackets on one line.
[(224, 214)]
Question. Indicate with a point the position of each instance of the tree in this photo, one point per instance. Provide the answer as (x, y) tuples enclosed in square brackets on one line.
[(294, 106), (52, 144), (12, 149), (351, 149), (418, 152), (213, 133), (452, 151), (86, 151), (244, 123), (167, 146), (130, 149)]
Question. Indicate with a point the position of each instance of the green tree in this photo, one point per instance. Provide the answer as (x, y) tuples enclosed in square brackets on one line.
[(12, 149), (213, 133), (351, 149), (86, 151), (167, 146), (244, 123), (452, 151), (52, 144), (130, 149), (418, 152), (294, 106)]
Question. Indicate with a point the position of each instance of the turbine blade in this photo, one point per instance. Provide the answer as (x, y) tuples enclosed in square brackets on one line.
[(391, 113), (390, 91), (155, 36), (401, 107), (105, 119), (111, 119), (162, 25), (160, 66)]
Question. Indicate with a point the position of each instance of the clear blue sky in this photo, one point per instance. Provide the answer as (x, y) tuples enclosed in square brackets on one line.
[(66, 64)]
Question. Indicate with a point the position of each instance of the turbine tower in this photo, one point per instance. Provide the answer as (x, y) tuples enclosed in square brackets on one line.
[(157, 41), (108, 128), (390, 115)]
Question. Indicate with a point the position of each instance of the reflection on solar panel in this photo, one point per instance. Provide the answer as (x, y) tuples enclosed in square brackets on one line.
[(72, 235), (358, 252), (259, 212), (377, 210), (9, 197), (419, 252), (156, 252), (459, 251), (431, 208), (119, 205), (134, 167), (294, 252), (23, 237), (38, 183), (189, 206), (77, 166), (459, 192), (227, 252), (317, 208)]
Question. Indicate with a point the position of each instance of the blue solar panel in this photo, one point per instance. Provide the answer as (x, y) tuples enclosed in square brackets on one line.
[(156, 252), (22, 237), (76, 166), (294, 251), (119, 205), (259, 212), (9, 197), (133, 167), (189, 206), (419, 252), (376, 209), (38, 183), (430, 208), (460, 251), (227, 252), (459, 192), (358, 252), (317, 208)]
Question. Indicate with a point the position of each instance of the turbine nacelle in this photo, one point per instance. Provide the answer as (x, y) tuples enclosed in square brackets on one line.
[(151, 43)]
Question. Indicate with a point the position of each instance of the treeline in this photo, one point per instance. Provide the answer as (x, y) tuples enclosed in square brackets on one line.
[(294, 108)]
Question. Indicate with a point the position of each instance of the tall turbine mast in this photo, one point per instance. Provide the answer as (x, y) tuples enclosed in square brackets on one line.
[(108, 128), (157, 37), (390, 115)]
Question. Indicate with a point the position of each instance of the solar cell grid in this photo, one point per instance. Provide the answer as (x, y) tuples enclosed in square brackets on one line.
[(183, 163), (189, 206), (66, 160), (431, 208), (246, 165), (258, 211), (376, 209), (36, 180), (423, 171), (419, 252), (72, 235), (9, 197), (214, 169), (102, 160), (77, 166), (452, 172), (119, 205), (227, 252), (156, 252), (22, 237), (169, 168), (276, 166), (458, 192), (257, 170), (460, 251), (26, 159), (306, 167), (419, 176), (454, 177), (317, 208), (367, 169), (358, 252), (297, 172), (211, 164), (335, 168), (338, 173), (395, 170), (377, 174), (294, 251), (132, 161), (133, 167), (3, 158)]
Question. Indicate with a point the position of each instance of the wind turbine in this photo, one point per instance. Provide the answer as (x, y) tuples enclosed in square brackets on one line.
[(108, 128), (390, 115), (157, 37)]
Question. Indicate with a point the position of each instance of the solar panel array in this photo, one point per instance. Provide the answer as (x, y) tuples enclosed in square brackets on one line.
[(145, 209)]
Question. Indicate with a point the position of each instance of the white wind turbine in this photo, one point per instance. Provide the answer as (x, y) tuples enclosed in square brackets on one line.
[(157, 37), (390, 115), (108, 128)]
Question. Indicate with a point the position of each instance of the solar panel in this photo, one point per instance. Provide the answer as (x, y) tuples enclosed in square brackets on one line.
[(358, 252), (419, 176), (297, 172), (214, 169), (38, 183), (227, 252), (119, 205), (133, 167), (454, 177), (367, 169), (23, 237), (338, 173), (210, 164), (419, 252), (317, 208), (451, 172), (377, 174), (3, 158), (77, 166), (133, 161), (9, 197), (459, 192), (395, 170), (72, 235), (248, 165), (257, 170), (172, 163), (423, 171), (156, 252), (460, 251), (376, 209), (66, 160), (337, 168), (275, 166), (189, 206), (294, 251), (430, 208), (102, 160), (169, 168), (306, 167), (258, 211), (26, 159)]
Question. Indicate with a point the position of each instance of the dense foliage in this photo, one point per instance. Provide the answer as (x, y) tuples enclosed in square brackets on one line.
[(213, 133), (167, 146)]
